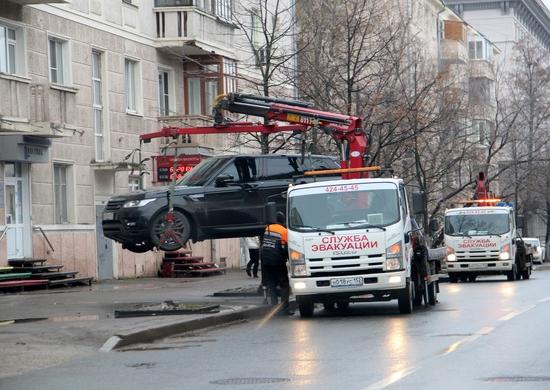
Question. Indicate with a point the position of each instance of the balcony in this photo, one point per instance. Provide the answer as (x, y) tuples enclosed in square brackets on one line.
[(453, 52), (31, 2), (188, 30), (481, 69)]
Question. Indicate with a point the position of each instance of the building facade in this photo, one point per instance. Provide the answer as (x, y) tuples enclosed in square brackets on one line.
[(82, 80)]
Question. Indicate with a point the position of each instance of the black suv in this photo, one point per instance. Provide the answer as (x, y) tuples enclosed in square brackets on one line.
[(222, 197)]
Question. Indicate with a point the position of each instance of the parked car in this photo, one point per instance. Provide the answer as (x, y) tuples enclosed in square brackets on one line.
[(222, 197), (538, 249)]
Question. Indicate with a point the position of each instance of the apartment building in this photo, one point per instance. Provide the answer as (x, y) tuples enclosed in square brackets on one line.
[(80, 81)]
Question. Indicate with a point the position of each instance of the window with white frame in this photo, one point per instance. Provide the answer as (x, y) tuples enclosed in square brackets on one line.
[(479, 48), (229, 75), (194, 97), (97, 91), (63, 196), (134, 183), (223, 9), (59, 61), (164, 93), (255, 28), (131, 73), (11, 47)]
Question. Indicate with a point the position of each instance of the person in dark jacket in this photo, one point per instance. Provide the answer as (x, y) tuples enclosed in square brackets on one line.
[(274, 255)]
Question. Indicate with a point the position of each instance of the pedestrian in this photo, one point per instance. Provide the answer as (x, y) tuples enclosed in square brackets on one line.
[(274, 255), (253, 244)]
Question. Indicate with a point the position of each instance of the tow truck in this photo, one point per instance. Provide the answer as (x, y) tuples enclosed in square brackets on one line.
[(352, 239), (482, 239)]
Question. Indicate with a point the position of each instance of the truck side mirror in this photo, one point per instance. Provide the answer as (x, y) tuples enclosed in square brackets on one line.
[(271, 212), (418, 203)]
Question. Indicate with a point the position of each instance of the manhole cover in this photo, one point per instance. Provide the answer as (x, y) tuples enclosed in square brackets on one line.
[(518, 379), (248, 381)]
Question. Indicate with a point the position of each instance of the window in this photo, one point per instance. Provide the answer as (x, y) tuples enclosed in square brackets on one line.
[(479, 49), (97, 91), (255, 28), (59, 61), (9, 50), (481, 91), (194, 96), (62, 192), (132, 86), (204, 82), (223, 9), (134, 183), (164, 96), (480, 131), (403, 202), (281, 168), (229, 75)]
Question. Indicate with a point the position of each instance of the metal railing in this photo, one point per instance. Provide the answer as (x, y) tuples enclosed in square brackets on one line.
[(38, 228)]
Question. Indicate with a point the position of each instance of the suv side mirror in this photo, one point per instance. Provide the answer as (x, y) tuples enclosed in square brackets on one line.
[(418, 203), (224, 180), (270, 213)]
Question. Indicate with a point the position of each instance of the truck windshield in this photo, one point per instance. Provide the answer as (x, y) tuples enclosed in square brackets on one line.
[(203, 172), (348, 209), (476, 224)]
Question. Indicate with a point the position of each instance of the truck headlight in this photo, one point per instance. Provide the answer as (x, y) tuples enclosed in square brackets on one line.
[(505, 252), (297, 263), (138, 203), (394, 256), (451, 254)]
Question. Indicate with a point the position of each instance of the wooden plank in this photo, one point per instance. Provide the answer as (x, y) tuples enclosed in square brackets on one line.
[(13, 276), (71, 281), (54, 275), (29, 260), (6, 269), (39, 268), (23, 283)]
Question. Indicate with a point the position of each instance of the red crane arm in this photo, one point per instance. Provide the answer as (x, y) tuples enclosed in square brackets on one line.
[(299, 116)]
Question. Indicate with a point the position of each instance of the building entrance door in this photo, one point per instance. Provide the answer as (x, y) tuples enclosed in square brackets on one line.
[(16, 211)]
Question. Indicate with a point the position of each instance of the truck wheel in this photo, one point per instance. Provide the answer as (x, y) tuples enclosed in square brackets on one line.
[(472, 278), (453, 278), (513, 274), (406, 298), (305, 306), (172, 234), (432, 293)]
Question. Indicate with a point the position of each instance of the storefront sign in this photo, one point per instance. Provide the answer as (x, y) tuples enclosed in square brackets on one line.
[(20, 148), (164, 166)]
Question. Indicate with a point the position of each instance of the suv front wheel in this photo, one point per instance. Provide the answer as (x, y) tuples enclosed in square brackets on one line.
[(170, 232)]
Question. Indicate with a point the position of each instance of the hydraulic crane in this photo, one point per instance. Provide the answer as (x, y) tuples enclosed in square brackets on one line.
[(280, 115), (299, 117)]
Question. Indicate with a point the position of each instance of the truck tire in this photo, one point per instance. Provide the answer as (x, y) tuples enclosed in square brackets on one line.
[(305, 306), (512, 275), (453, 278), (472, 278), (432, 293), (406, 299), (181, 228)]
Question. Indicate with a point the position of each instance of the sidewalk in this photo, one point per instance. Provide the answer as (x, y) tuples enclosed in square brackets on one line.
[(78, 321)]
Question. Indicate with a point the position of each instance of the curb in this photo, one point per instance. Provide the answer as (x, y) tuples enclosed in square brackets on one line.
[(162, 331)]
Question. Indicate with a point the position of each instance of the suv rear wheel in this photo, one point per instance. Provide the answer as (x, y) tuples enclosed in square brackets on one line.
[(170, 233)]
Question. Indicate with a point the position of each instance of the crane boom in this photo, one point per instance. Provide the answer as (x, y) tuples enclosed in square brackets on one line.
[(299, 116)]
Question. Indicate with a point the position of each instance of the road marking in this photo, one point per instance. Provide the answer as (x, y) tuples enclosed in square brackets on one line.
[(9, 322), (513, 314), (391, 379), (544, 300), (454, 346)]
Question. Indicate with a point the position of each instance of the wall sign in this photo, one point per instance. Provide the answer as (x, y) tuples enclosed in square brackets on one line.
[(163, 166)]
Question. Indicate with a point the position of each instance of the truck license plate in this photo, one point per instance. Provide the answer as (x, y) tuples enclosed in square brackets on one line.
[(108, 216), (346, 282), (476, 266)]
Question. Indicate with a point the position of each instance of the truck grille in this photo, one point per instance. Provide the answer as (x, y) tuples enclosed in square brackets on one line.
[(114, 205), (477, 255), (346, 265)]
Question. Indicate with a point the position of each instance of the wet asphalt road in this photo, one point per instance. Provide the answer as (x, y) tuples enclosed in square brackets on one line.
[(491, 334)]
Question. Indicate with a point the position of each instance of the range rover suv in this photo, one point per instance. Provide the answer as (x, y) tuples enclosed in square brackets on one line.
[(222, 197)]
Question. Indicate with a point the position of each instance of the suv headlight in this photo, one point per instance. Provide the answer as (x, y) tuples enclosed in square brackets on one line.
[(394, 256), (451, 254), (505, 252), (138, 203), (297, 263)]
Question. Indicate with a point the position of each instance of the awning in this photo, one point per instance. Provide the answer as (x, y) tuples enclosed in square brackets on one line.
[(9, 126)]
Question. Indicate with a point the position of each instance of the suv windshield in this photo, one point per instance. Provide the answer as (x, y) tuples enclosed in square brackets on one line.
[(343, 207), (476, 224), (203, 172)]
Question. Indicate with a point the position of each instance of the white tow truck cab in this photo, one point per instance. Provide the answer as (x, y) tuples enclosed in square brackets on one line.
[(483, 240), (351, 240)]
